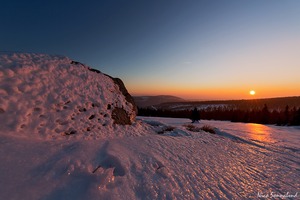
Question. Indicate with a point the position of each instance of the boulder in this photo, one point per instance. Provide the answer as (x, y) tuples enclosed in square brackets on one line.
[(43, 94)]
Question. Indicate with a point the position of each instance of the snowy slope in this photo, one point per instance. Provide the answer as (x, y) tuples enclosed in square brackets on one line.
[(50, 96), (43, 97)]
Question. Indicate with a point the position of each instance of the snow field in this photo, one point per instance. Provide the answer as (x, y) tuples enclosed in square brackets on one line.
[(179, 164)]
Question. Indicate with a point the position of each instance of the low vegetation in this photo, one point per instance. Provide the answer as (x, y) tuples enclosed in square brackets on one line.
[(192, 128), (208, 129), (205, 128)]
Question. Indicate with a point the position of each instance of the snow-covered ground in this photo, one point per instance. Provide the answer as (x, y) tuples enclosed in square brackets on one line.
[(179, 164), (58, 140), (283, 136)]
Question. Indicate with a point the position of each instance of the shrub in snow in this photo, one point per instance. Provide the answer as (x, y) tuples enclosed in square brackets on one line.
[(205, 128), (208, 129), (193, 128)]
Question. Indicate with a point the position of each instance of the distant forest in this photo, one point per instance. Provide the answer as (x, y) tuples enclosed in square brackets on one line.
[(244, 111)]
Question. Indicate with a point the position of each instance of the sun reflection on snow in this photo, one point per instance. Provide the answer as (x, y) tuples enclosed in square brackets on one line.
[(259, 132)]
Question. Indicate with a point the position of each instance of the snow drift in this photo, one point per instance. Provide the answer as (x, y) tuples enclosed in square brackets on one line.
[(52, 96)]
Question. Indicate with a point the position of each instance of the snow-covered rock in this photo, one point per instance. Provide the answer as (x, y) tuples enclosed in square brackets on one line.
[(52, 96)]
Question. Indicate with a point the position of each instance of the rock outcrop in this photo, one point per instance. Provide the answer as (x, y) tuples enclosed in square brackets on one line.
[(41, 93)]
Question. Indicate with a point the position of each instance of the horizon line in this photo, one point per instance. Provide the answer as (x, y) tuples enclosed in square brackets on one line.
[(193, 100)]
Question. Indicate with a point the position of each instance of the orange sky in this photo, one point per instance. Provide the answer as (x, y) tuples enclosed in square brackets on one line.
[(246, 48), (238, 92)]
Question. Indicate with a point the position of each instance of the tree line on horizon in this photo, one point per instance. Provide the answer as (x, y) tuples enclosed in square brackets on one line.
[(284, 117)]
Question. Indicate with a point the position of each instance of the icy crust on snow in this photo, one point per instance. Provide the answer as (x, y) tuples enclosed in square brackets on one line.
[(178, 164), (51, 96)]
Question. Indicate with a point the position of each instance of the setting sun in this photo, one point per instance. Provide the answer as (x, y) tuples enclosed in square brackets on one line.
[(252, 92)]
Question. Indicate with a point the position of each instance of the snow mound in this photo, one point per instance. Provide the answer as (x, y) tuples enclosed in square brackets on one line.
[(53, 96)]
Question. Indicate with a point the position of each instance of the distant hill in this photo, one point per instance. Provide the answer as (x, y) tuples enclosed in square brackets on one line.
[(146, 101), (272, 103)]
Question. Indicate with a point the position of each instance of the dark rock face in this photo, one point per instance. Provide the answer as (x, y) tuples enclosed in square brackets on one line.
[(94, 70), (124, 91), (2, 110), (122, 88), (120, 116), (76, 63)]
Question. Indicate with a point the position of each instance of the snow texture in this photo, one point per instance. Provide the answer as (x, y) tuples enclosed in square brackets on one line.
[(49, 96), (153, 158)]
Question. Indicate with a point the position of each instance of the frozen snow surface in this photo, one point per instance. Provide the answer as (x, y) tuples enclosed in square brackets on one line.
[(43, 97)]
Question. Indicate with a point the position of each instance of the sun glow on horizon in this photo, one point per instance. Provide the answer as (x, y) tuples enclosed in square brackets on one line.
[(252, 92), (198, 91)]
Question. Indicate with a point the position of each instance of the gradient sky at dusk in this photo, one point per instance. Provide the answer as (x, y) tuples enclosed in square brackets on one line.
[(192, 49)]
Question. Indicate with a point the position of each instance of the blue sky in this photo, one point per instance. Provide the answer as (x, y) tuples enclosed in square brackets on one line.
[(193, 49)]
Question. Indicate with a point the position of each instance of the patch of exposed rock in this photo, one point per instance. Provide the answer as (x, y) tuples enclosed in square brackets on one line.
[(120, 116)]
